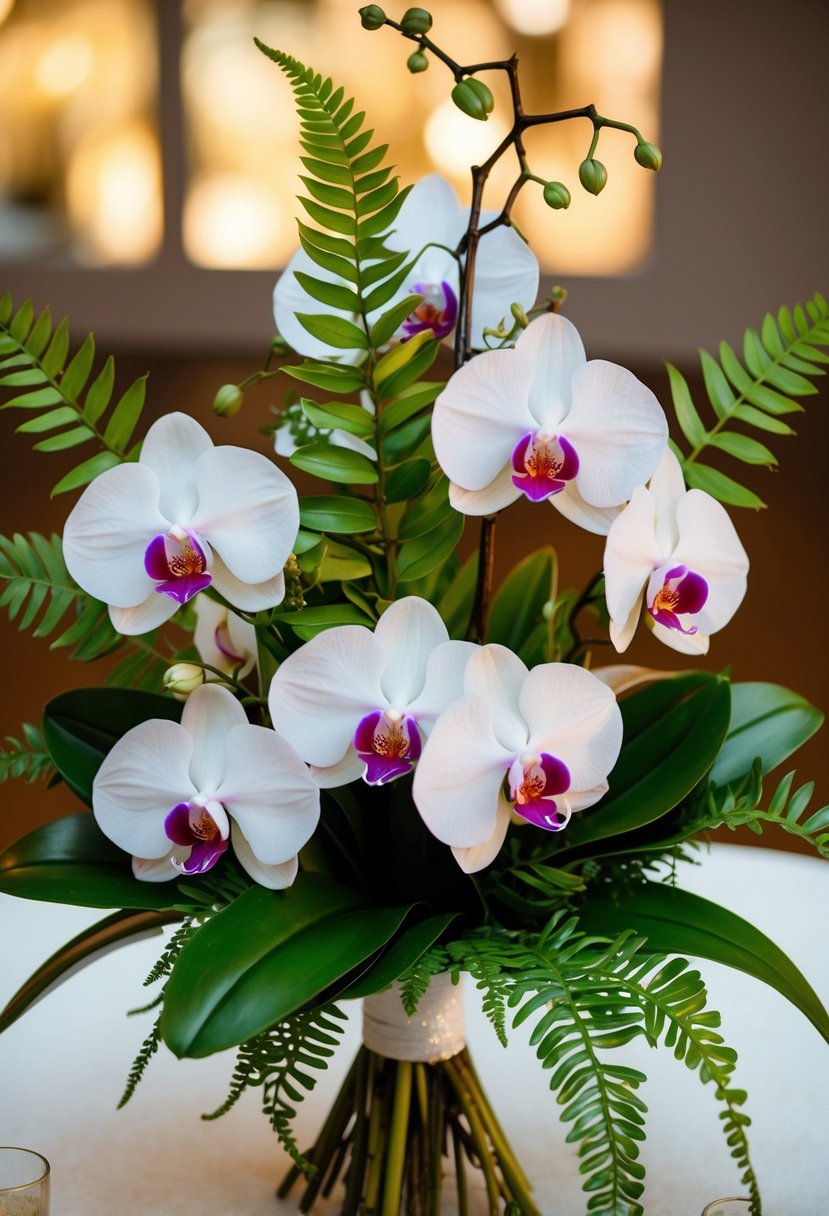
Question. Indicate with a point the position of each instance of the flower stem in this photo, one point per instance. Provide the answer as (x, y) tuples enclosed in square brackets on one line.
[(396, 1155)]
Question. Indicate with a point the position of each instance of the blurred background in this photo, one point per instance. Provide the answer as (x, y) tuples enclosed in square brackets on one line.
[(148, 168)]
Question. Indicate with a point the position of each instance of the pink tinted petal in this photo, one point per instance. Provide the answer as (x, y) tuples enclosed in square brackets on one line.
[(506, 273), (407, 633), (269, 792), (458, 779), (552, 348), (480, 416), (619, 429), (209, 714), (170, 449), (444, 681), (154, 611), (248, 510), (202, 857), (572, 506), (438, 310), (709, 544), (144, 775), (473, 859), (249, 597), (321, 692), (177, 824), (389, 746), (274, 877), (543, 465), (488, 501), (573, 716), (178, 568), (496, 675), (631, 554), (108, 531)]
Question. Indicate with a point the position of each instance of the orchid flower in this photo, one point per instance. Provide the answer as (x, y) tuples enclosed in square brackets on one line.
[(146, 537), (355, 703), (535, 745), (429, 227), (678, 549), (223, 639), (175, 795), (541, 421)]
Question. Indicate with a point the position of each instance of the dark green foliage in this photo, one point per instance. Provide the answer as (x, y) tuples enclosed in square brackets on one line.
[(26, 759)]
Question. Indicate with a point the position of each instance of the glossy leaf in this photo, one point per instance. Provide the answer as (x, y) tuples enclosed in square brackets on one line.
[(767, 721), (407, 480), (338, 414), (335, 464), (519, 601), (720, 486), (334, 331), (337, 513), (399, 956), (418, 557), (308, 622)]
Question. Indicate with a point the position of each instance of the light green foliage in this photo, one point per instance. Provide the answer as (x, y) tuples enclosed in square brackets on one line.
[(26, 759), (739, 805), (62, 403), (778, 366)]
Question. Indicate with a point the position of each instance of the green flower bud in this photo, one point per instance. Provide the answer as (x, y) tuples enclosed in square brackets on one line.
[(519, 315), (372, 17), (593, 175), (648, 156), (417, 62), (228, 400), (557, 196), (416, 21), (473, 97), (183, 678)]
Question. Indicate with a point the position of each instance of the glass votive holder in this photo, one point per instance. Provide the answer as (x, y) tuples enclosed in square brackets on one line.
[(24, 1182), (728, 1207)]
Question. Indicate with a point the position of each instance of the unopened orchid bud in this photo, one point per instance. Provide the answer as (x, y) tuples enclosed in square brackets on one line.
[(474, 98), (648, 156), (519, 315), (416, 21), (557, 196), (593, 175), (183, 678), (228, 400), (417, 62), (372, 17)]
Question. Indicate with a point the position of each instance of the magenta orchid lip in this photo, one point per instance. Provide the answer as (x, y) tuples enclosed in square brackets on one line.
[(543, 465), (177, 564)]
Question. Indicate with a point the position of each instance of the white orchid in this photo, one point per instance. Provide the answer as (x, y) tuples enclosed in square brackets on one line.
[(540, 420), (536, 744), (173, 795), (429, 227), (146, 537), (678, 550), (223, 639), (355, 703)]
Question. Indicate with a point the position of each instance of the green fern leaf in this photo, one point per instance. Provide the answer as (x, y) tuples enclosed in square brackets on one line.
[(26, 759)]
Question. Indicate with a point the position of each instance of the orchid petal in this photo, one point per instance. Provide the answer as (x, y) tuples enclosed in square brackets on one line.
[(171, 449), (155, 869), (621, 632), (250, 597), (496, 675), (668, 488), (269, 792), (506, 273), (321, 691), (572, 506), (444, 681), (248, 510), (332, 776), (209, 714), (152, 612), (107, 533), (552, 348), (290, 298), (140, 780), (631, 554), (430, 214), (274, 877), (407, 633), (619, 430), (223, 639), (685, 643), (492, 498), (458, 779), (709, 545), (476, 858)]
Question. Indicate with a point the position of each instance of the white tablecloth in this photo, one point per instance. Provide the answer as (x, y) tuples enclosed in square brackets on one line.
[(62, 1069)]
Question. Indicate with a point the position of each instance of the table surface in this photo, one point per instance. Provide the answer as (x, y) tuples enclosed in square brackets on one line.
[(63, 1066)]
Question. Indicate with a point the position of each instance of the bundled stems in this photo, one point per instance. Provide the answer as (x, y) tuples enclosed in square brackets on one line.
[(392, 1128)]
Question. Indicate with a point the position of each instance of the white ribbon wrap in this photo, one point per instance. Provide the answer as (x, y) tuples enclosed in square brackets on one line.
[(436, 1032)]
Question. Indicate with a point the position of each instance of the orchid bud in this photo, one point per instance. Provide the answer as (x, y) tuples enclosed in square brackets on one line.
[(417, 62), (372, 17), (228, 400), (473, 97), (593, 175), (557, 196), (648, 156), (416, 21), (519, 316), (183, 678)]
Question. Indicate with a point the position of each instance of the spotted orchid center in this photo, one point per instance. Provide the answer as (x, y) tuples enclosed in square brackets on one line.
[(535, 781), (388, 743), (675, 592), (202, 826), (438, 311), (177, 564), (543, 464)]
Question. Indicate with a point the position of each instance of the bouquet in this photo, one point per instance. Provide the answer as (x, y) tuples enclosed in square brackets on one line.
[(339, 759)]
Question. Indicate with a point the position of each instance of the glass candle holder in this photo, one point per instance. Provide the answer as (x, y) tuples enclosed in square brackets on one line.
[(24, 1182), (728, 1207)]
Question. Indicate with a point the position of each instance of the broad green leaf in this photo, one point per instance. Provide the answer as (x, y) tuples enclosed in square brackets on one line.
[(742, 447), (763, 421), (427, 512), (339, 175), (377, 199), (719, 486), (324, 240), (22, 321), (86, 472), (331, 196), (407, 480), (335, 464), (412, 369), (74, 379), (341, 564), (678, 922), (334, 295), (65, 440), (99, 393), (381, 221), (70, 861), (370, 181), (115, 930), (716, 385), (418, 557), (338, 414), (399, 357), (41, 332), (673, 731), (34, 400), (47, 422), (400, 955), (32, 375), (410, 439), (369, 160), (342, 267), (335, 331), (410, 402), (519, 601), (388, 324), (767, 721), (336, 378), (55, 356), (125, 416), (337, 513), (689, 420), (331, 221), (308, 622), (81, 726)]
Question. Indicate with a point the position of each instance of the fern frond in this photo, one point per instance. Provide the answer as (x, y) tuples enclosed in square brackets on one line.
[(141, 1062), (26, 759), (778, 365), (280, 1061), (739, 806), (56, 392)]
